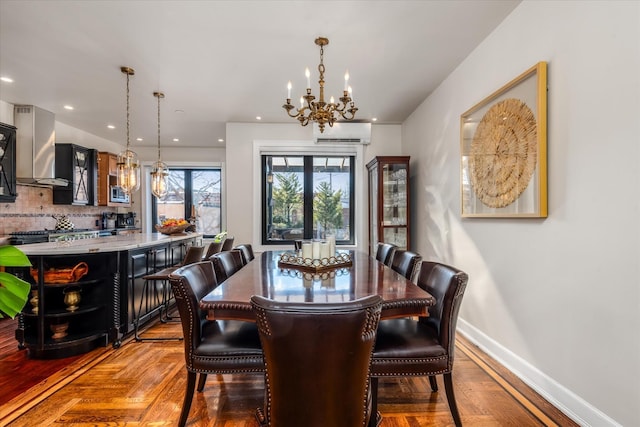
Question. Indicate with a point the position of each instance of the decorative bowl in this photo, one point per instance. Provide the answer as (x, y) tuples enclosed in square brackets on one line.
[(174, 229), (59, 330)]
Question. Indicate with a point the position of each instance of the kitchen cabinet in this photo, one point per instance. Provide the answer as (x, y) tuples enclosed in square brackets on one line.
[(66, 319), (107, 177), (8, 190), (54, 325), (77, 165), (389, 207), (141, 303)]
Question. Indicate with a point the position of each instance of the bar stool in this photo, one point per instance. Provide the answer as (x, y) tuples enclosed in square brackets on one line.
[(193, 255)]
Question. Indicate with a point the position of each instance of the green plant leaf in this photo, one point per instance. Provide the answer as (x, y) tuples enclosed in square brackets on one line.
[(10, 256), (218, 237), (14, 293)]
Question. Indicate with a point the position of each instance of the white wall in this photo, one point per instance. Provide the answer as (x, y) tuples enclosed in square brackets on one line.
[(243, 216), (557, 300)]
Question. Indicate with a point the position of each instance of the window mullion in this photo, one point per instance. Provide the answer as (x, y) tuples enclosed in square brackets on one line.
[(308, 197)]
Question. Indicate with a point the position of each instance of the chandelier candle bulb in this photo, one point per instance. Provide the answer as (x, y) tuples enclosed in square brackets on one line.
[(308, 76), (289, 90), (346, 80)]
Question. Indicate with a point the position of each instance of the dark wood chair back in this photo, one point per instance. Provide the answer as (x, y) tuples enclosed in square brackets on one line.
[(406, 263), (317, 359), (385, 252), (214, 248), (247, 252), (227, 245), (227, 263)]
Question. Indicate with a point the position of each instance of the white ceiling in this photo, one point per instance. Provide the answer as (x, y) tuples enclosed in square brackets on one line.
[(228, 61)]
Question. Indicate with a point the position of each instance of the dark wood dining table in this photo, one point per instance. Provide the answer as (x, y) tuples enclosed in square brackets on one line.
[(365, 276)]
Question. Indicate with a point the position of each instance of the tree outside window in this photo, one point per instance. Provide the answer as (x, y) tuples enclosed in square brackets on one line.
[(306, 197)]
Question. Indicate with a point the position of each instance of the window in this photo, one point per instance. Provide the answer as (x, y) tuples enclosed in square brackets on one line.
[(307, 197), (192, 193)]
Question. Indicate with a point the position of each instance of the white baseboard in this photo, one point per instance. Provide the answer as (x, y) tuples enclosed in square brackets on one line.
[(559, 396)]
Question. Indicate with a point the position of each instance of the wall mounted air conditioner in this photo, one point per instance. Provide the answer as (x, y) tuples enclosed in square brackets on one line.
[(343, 133)]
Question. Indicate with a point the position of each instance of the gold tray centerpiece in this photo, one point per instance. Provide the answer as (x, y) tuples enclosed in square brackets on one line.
[(292, 260)]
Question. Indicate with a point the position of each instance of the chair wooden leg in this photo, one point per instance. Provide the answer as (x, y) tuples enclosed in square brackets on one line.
[(201, 381), (188, 397), (373, 419), (433, 382), (448, 386)]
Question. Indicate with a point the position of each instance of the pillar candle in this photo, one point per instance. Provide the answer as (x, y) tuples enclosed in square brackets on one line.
[(306, 250), (332, 245), (316, 250), (324, 250)]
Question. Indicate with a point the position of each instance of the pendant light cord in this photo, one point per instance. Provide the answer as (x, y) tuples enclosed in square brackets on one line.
[(159, 96)]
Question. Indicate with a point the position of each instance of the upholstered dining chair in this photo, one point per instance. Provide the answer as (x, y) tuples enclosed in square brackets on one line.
[(193, 254), (227, 245), (247, 252), (227, 263), (210, 346), (214, 248), (317, 358), (406, 263), (423, 347), (385, 252)]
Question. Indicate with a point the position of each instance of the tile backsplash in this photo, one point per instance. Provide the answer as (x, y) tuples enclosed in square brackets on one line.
[(33, 210)]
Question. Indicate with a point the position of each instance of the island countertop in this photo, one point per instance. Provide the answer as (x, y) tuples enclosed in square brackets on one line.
[(104, 244)]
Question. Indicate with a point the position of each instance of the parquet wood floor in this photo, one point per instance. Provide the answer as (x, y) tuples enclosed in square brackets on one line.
[(142, 384)]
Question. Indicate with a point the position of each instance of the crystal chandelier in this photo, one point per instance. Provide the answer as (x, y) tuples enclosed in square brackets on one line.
[(160, 171), (128, 165), (320, 111)]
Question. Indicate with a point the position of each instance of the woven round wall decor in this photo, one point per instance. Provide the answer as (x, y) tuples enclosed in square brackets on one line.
[(503, 153)]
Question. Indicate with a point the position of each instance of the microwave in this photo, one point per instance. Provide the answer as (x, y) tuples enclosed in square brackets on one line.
[(117, 195)]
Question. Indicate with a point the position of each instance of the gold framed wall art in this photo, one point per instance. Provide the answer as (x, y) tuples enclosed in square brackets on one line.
[(503, 147)]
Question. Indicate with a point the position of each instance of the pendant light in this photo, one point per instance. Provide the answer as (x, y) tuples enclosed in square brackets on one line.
[(128, 165), (160, 172)]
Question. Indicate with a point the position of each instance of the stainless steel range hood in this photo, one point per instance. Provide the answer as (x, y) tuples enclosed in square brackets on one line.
[(35, 149)]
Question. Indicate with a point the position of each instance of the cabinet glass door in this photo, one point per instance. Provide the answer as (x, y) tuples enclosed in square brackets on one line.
[(394, 197), (7, 164), (80, 176)]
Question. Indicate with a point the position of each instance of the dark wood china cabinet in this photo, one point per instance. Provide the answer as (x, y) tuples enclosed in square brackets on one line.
[(389, 207)]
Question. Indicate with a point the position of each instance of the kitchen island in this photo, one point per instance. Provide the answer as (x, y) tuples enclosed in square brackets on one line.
[(89, 293)]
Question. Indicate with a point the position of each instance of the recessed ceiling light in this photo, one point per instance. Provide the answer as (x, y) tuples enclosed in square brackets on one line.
[(258, 118), (176, 140), (220, 140), (374, 119), (111, 126), (68, 107), (6, 79), (179, 111), (139, 139)]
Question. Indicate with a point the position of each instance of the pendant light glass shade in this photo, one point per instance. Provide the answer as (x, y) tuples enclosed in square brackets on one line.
[(128, 171), (128, 165), (159, 179), (160, 171)]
